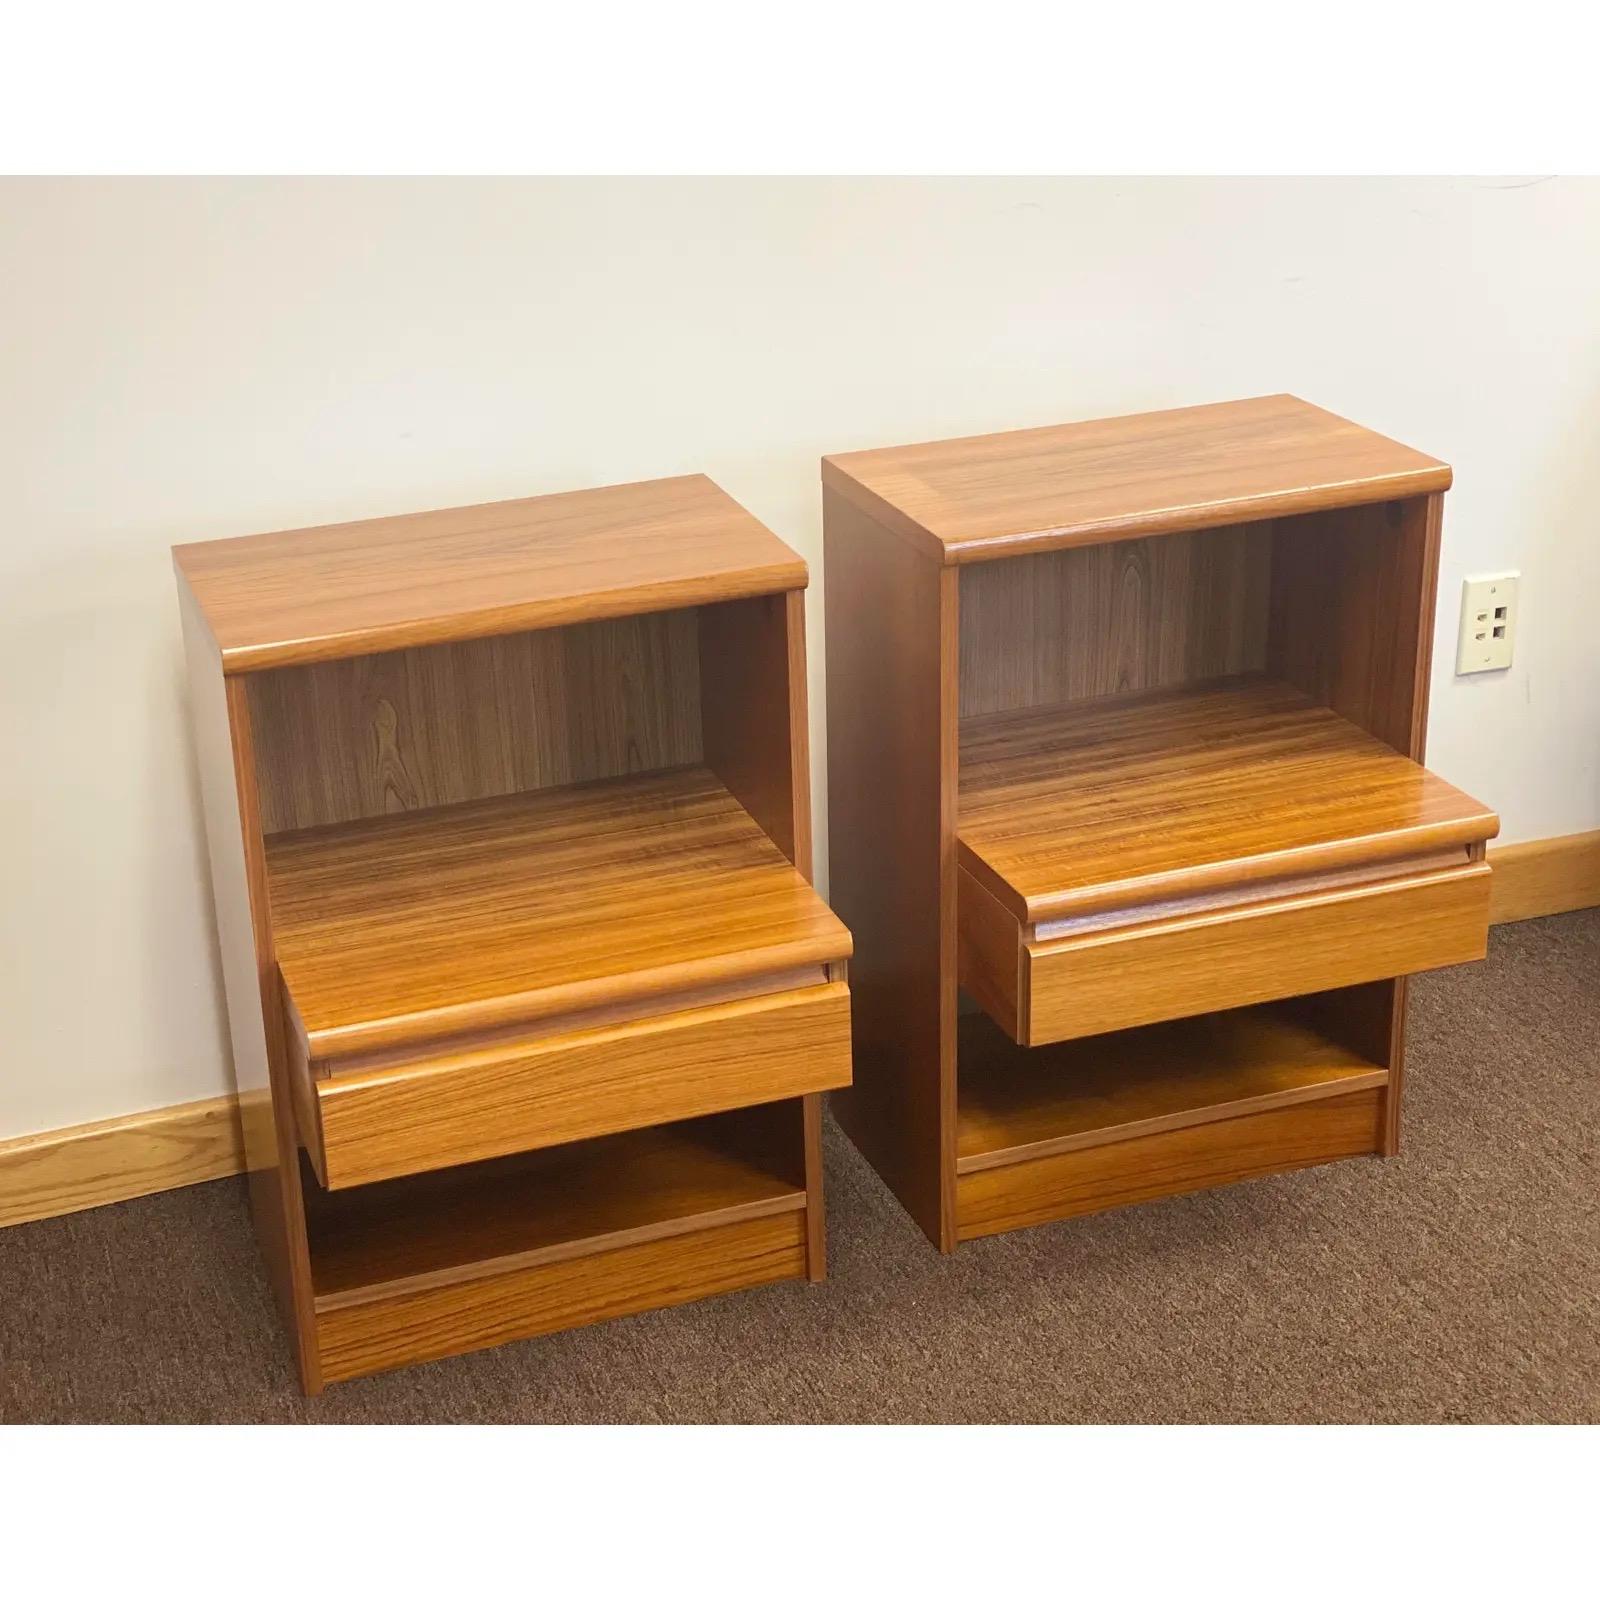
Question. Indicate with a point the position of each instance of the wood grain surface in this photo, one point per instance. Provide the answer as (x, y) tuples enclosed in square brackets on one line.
[(1351, 613), (1114, 618), (474, 572), (472, 1105), (1006, 494), (816, 1214), (1543, 877), (990, 963), (405, 929), (1140, 799), (1158, 558), (756, 728), (118, 1158), (1019, 1104), (411, 729), (1078, 1182), (1183, 965), (456, 1317), (481, 1220), (219, 715), (891, 642)]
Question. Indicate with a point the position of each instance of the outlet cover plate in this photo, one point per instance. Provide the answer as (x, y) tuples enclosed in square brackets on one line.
[(1488, 623)]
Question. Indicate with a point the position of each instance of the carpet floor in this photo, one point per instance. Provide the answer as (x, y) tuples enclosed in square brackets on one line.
[(1459, 1282)]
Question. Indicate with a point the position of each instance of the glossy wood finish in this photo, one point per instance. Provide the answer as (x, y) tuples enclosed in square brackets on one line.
[(1114, 618), (475, 572), (1078, 1182), (467, 1105), (1351, 619), (1352, 624), (1150, 555), (1126, 977), (1293, 852), (456, 1317), (816, 1217), (1131, 801), (481, 1221), (1007, 494), (1022, 1105), (991, 958), (891, 827), (225, 757), (757, 729), (411, 729), (535, 781), (402, 930)]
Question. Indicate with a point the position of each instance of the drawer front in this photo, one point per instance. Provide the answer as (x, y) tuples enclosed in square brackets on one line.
[(391, 1121), (1098, 982)]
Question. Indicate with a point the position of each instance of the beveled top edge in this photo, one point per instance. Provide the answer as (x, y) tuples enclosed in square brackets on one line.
[(934, 495), (336, 590)]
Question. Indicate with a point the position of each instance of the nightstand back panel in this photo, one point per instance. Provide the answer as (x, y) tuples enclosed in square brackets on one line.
[(374, 735), (1114, 618)]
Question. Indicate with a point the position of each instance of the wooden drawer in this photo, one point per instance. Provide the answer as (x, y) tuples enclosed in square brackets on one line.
[(369, 1122), (1053, 982)]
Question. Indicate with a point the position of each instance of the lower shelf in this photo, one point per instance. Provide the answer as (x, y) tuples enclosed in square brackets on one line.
[(455, 1318), (419, 1268), (1074, 1128)]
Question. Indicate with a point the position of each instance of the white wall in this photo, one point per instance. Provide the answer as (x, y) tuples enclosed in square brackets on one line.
[(192, 359)]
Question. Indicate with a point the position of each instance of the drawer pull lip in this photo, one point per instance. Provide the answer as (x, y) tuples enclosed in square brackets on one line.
[(1392, 854), (511, 1035), (438, 1026), (1046, 938)]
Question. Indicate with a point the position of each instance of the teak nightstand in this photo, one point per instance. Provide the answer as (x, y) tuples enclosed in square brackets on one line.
[(532, 1002), (1125, 807)]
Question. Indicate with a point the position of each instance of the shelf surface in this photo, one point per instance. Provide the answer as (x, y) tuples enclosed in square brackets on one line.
[(355, 588), (1020, 1104), (601, 1194), (504, 911), (1140, 799), (1003, 494)]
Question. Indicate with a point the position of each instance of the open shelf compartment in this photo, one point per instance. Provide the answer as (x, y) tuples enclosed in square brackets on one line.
[(481, 1220), (528, 1244), (1144, 1112)]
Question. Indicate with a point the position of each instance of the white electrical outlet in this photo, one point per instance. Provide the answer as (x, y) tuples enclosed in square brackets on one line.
[(1488, 623)]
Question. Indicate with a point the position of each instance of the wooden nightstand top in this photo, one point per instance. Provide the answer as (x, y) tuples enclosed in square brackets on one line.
[(1004, 494), (356, 588)]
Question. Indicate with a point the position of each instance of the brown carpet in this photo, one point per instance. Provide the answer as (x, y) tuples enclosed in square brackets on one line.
[(1457, 1283)]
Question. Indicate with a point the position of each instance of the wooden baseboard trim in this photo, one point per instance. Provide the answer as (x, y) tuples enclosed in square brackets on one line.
[(100, 1163), (1545, 876)]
